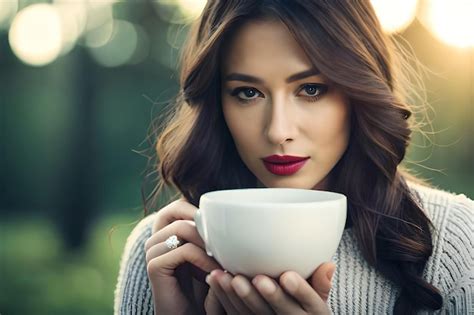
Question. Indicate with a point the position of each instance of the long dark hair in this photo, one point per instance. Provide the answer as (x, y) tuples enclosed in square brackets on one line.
[(344, 40)]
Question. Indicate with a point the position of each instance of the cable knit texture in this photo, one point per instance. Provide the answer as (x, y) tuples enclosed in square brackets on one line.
[(357, 287)]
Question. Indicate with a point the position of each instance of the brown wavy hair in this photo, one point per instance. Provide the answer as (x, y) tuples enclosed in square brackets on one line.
[(344, 40)]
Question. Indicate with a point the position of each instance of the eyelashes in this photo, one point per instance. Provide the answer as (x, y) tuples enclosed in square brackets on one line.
[(312, 92), (245, 94)]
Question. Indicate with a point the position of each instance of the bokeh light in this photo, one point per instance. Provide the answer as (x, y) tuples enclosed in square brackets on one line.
[(452, 21), (191, 8), (99, 13), (73, 16), (179, 11), (88, 120), (8, 9), (395, 16), (100, 23), (35, 34), (143, 46), (101, 35), (120, 48)]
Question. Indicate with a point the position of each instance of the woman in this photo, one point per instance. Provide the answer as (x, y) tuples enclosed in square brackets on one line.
[(319, 81)]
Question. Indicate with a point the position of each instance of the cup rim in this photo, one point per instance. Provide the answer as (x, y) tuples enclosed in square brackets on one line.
[(206, 197)]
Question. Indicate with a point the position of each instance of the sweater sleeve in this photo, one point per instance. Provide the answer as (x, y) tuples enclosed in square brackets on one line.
[(457, 261), (133, 292)]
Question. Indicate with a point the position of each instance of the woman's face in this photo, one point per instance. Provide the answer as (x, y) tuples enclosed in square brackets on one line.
[(275, 103)]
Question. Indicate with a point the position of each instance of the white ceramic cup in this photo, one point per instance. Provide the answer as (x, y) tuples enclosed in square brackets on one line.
[(271, 230)]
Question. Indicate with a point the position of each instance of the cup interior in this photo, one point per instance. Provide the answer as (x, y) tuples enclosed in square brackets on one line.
[(271, 195)]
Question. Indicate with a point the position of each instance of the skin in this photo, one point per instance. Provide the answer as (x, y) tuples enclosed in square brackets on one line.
[(281, 118), (304, 117), (271, 110), (225, 294)]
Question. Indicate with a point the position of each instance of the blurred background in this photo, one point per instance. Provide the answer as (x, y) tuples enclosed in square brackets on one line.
[(81, 82)]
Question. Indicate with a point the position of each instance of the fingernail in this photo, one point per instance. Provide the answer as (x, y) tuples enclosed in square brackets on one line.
[(224, 280), (290, 283), (208, 279), (241, 287), (266, 285)]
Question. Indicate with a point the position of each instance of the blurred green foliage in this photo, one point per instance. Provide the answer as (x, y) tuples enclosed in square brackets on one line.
[(39, 277), (40, 112)]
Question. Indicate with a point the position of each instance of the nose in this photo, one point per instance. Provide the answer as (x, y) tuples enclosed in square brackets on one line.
[(281, 123)]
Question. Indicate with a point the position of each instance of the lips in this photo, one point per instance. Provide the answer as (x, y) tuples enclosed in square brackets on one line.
[(284, 164)]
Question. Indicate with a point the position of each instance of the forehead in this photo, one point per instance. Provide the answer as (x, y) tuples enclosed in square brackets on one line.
[(263, 45)]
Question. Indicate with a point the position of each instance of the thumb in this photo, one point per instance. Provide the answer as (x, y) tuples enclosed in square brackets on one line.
[(321, 279)]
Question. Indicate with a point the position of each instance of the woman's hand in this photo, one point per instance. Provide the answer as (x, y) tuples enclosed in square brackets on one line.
[(292, 295), (162, 262)]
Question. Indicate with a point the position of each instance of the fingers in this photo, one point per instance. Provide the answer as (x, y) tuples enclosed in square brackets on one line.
[(212, 304), (165, 265), (237, 294), (155, 251), (302, 291), (280, 302), (247, 292), (172, 220), (177, 210), (162, 262), (266, 296), (184, 229), (220, 283), (321, 279)]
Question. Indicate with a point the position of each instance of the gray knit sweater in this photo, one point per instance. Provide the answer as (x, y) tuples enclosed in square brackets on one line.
[(357, 287)]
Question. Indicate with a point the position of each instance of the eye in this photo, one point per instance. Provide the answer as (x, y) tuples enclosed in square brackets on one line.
[(245, 94), (314, 91)]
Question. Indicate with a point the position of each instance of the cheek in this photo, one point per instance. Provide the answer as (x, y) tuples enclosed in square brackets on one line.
[(242, 126), (331, 128)]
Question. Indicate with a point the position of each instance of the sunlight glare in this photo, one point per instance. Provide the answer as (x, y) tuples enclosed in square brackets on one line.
[(191, 8), (395, 16), (35, 34), (73, 20), (452, 21), (179, 11)]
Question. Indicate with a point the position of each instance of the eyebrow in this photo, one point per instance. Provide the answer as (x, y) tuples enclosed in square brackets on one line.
[(251, 79)]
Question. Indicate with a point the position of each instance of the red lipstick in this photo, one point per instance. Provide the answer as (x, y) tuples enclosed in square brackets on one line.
[(284, 164)]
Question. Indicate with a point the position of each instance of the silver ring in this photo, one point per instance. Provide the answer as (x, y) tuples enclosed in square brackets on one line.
[(173, 242)]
